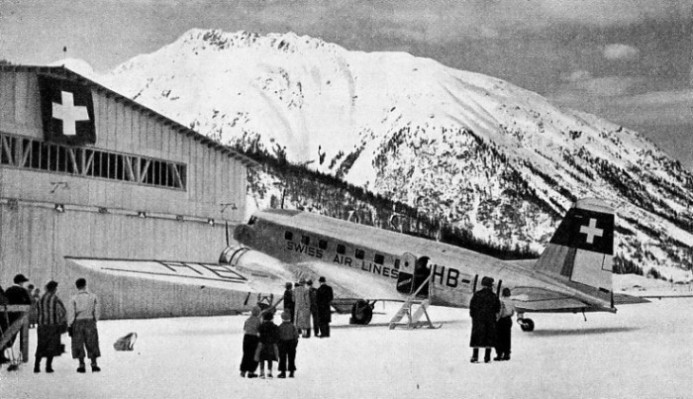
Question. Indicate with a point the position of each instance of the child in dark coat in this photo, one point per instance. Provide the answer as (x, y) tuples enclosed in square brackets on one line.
[(267, 349), (288, 340)]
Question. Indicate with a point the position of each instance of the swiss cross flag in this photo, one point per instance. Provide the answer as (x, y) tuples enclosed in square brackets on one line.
[(67, 111), (585, 229)]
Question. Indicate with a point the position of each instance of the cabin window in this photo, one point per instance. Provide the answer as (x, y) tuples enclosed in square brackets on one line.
[(252, 220), (397, 264), (341, 249), (379, 259), (322, 244), (288, 235), (359, 254), (305, 240)]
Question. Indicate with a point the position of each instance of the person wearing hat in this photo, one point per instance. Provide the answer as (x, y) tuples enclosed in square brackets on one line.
[(289, 304), (17, 294), (288, 341), (250, 341), (312, 291), (52, 323), (483, 309), (324, 297), (504, 326), (302, 311)]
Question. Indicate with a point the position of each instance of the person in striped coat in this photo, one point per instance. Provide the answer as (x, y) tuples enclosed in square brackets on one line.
[(51, 324)]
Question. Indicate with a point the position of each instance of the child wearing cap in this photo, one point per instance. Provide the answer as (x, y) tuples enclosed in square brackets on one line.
[(267, 349), (288, 341)]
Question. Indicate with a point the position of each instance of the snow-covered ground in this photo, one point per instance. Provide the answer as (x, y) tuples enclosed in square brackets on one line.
[(643, 351)]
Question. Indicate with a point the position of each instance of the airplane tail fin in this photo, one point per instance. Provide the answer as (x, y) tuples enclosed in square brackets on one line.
[(580, 253)]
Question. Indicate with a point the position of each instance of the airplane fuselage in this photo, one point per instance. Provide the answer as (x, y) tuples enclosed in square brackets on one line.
[(392, 262)]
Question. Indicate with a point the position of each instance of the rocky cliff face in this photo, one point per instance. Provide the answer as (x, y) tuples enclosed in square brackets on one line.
[(473, 151)]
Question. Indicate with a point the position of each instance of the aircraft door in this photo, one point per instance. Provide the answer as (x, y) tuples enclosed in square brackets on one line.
[(421, 272), (405, 279)]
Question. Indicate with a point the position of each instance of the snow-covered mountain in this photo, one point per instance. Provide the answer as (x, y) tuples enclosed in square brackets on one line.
[(477, 151)]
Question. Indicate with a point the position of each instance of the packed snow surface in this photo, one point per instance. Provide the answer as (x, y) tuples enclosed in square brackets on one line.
[(643, 351)]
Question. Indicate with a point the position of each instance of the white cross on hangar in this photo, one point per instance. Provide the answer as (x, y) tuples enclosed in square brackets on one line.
[(69, 113), (591, 230)]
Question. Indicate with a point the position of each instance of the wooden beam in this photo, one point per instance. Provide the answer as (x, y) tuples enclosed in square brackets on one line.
[(143, 172), (88, 164), (176, 175), (25, 154), (73, 159), (6, 150), (128, 168)]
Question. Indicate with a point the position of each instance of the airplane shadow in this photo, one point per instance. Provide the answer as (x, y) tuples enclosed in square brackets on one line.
[(586, 331), (399, 325)]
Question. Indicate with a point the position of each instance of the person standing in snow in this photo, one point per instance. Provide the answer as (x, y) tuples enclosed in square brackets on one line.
[(289, 304), (250, 342), (51, 321), (302, 300), (483, 308), (324, 297), (267, 350), (504, 326), (288, 341), (82, 315)]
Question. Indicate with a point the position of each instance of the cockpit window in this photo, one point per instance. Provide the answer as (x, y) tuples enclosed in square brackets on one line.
[(252, 220)]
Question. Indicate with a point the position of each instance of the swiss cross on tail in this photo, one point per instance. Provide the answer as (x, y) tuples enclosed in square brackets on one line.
[(67, 111), (586, 229)]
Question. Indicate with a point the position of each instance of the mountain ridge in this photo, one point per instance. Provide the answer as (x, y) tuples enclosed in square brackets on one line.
[(475, 151)]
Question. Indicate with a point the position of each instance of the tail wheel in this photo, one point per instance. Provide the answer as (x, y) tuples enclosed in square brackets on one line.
[(527, 325), (361, 312)]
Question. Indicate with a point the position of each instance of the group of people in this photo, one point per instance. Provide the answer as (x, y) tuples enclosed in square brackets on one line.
[(305, 302), (53, 319), (491, 322), (264, 342)]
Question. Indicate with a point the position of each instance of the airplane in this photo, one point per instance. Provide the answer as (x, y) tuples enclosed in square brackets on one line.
[(365, 264)]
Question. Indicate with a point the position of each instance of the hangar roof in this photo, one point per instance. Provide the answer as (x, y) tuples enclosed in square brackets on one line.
[(64, 73)]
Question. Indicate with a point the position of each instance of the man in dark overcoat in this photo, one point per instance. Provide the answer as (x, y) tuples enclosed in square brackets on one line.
[(483, 309), (289, 303), (324, 297), (16, 295)]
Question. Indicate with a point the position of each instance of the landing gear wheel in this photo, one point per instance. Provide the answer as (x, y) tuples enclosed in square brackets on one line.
[(527, 325), (361, 312)]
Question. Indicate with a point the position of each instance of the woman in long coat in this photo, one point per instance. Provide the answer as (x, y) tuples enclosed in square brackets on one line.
[(51, 324), (483, 309), (302, 308)]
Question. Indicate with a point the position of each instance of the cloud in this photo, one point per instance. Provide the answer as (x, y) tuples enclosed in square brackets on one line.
[(618, 51), (576, 76), (581, 83)]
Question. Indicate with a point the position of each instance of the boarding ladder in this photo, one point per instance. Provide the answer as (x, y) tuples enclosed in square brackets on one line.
[(405, 310)]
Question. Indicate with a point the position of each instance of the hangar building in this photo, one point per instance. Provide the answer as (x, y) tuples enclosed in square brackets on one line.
[(93, 183)]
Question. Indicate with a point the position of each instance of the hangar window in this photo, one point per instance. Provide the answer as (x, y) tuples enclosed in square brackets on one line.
[(305, 240), (288, 235), (51, 157), (379, 259), (359, 254), (341, 249), (322, 244)]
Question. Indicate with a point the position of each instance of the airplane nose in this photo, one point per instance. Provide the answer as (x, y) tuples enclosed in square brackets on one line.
[(243, 234)]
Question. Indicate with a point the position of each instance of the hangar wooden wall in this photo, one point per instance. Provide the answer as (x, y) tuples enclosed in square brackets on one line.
[(99, 216)]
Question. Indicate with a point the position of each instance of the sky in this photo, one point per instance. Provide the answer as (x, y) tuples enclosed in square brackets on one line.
[(629, 61)]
